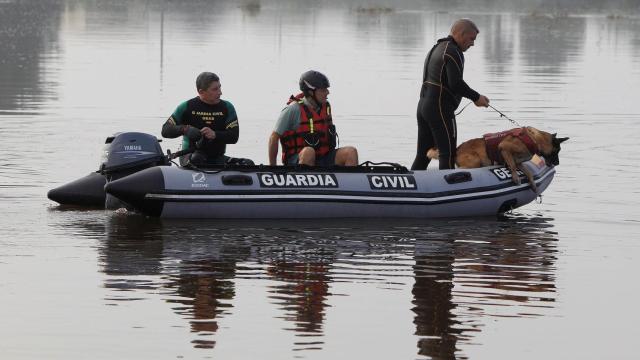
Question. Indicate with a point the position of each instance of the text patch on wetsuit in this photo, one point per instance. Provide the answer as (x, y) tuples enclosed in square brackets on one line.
[(270, 180), (394, 182), (504, 173)]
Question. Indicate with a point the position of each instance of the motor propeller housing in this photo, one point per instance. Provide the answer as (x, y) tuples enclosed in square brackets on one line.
[(124, 153)]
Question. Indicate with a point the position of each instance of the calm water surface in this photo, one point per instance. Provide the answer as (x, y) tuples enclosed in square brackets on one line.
[(555, 279)]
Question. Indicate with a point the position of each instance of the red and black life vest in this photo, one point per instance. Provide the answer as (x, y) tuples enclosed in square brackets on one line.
[(315, 130), (493, 140)]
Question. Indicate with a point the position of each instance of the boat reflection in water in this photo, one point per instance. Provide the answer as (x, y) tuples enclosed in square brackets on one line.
[(455, 273), (498, 269)]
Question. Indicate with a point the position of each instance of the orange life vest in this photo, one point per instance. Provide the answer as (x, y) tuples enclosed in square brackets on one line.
[(315, 130)]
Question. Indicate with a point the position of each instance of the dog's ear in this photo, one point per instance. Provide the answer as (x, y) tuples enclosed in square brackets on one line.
[(560, 140)]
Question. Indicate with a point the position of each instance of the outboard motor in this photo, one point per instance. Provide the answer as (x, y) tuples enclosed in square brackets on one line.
[(127, 153), (124, 154)]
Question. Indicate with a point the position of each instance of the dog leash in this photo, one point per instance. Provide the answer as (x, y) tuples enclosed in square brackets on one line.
[(494, 109), (505, 116), (464, 107)]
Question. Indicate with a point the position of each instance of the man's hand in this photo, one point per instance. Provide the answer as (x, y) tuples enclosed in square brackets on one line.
[(482, 101), (208, 133), (192, 133)]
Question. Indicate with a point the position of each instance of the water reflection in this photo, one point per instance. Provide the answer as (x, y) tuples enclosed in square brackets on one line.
[(459, 272), (501, 269), (403, 32), (499, 43), (433, 300), (28, 42), (201, 272), (131, 249), (548, 44), (302, 294), (206, 289)]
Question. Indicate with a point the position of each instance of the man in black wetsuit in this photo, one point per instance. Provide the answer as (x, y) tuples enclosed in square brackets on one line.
[(441, 93), (207, 123)]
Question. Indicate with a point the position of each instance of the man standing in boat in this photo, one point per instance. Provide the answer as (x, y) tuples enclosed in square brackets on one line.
[(442, 90), (305, 128), (207, 123)]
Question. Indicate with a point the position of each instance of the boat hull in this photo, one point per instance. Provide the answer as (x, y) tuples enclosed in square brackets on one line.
[(264, 192), (86, 191)]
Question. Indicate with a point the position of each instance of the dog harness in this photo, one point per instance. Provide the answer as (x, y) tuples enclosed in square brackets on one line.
[(494, 139), (313, 131)]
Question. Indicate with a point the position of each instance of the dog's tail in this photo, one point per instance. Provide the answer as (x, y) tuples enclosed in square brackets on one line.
[(433, 153)]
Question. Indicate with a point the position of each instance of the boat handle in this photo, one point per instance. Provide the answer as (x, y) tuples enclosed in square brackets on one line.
[(237, 180), (458, 177)]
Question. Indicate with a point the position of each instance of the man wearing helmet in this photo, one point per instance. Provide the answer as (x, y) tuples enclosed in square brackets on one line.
[(305, 128), (442, 90)]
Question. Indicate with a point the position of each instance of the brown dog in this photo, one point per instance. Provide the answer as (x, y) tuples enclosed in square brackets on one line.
[(511, 148)]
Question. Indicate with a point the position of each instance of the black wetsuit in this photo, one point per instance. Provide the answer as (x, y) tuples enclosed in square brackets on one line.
[(441, 93), (220, 117)]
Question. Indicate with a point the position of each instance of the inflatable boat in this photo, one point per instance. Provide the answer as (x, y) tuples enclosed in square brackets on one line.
[(137, 174)]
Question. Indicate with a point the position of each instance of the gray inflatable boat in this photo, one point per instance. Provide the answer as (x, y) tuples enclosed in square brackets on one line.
[(135, 173), (291, 193)]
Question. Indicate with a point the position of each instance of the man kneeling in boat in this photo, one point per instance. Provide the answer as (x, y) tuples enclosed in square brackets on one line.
[(305, 129), (206, 123)]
